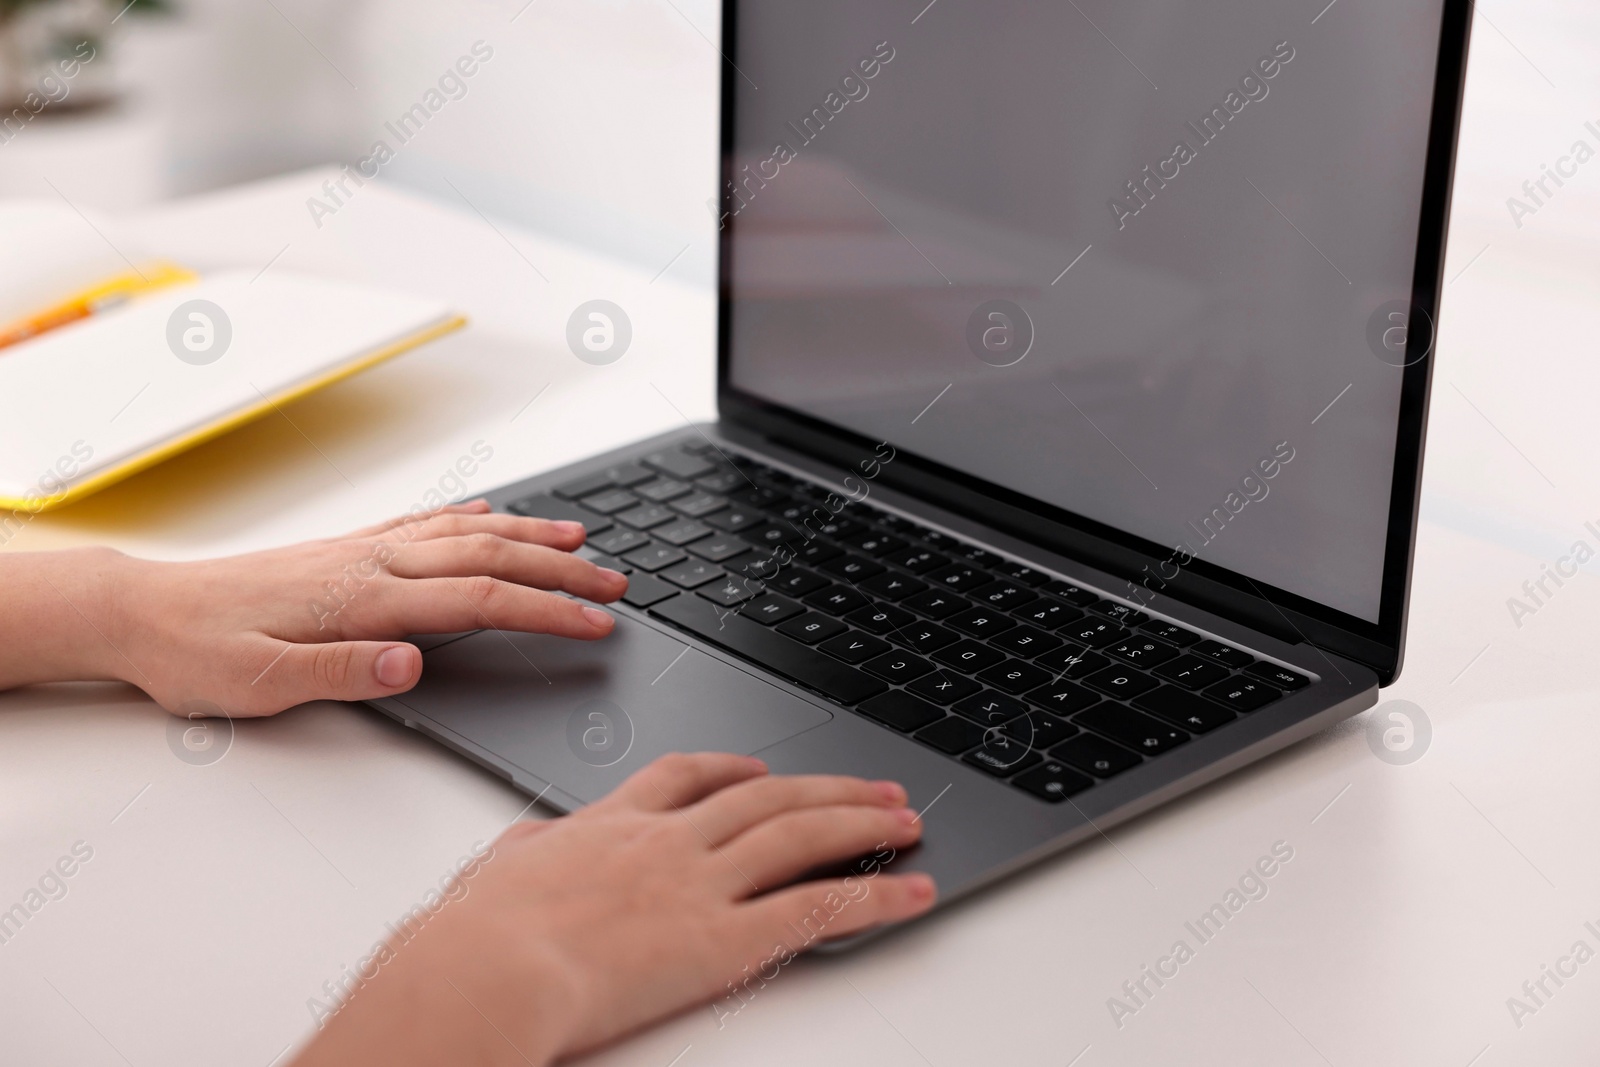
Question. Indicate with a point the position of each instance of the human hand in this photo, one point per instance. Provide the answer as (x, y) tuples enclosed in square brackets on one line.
[(578, 930), (258, 633)]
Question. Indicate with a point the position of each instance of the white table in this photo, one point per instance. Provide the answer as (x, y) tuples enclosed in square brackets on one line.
[(219, 898)]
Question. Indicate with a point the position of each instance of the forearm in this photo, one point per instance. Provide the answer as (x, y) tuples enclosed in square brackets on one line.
[(57, 622)]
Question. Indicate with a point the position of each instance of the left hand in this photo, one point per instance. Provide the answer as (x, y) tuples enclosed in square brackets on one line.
[(258, 633)]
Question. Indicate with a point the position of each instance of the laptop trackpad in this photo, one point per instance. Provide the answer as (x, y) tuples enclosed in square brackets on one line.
[(583, 715)]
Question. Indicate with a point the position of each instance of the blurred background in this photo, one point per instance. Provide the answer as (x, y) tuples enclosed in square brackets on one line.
[(594, 121)]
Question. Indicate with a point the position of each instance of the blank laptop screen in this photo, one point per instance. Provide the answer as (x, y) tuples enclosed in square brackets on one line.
[(1143, 260)]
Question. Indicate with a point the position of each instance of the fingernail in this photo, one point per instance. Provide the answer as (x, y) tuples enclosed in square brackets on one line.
[(907, 816), (893, 792), (597, 618), (394, 666), (567, 527), (919, 886), (758, 764), (612, 576)]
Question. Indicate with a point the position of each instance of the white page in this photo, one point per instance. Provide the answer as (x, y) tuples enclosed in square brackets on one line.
[(112, 385)]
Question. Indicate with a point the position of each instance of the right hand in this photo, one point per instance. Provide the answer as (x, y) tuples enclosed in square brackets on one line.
[(581, 929)]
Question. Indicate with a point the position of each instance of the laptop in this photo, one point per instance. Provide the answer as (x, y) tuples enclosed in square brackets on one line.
[(1073, 364)]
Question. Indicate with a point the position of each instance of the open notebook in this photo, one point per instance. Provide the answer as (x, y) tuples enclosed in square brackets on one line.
[(90, 403)]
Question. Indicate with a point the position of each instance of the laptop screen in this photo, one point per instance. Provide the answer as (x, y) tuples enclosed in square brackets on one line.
[(1146, 261)]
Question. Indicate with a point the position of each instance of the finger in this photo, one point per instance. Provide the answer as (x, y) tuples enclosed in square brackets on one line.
[(782, 849), (509, 561), (823, 911), (557, 534), (731, 812), (681, 778), (466, 507), (337, 670), (449, 605)]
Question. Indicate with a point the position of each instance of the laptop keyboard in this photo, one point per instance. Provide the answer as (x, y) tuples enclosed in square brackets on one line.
[(1020, 674)]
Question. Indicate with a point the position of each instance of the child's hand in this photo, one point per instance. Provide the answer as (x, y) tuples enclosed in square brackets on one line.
[(258, 633), (577, 931)]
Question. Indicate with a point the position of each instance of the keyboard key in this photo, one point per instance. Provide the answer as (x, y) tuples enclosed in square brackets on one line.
[(981, 556), (853, 646), (943, 687), (716, 549), (1004, 595), (610, 502), (798, 583), (925, 637), (879, 618), (815, 552), (628, 475), (645, 516), (662, 490), (1014, 676), (693, 574), (811, 628), (769, 609), (770, 535), (951, 735), (1026, 642), (1018, 572), (892, 586), (682, 532), (836, 528), (1002, 756), (618, 542), (982, 622), (1052, 781), (1073, 594), (1191, 673), (806, 666), (1038, 730), (585, 486), (760, 564), (1242, 694), (969, 656), (875, 542), (893, 523), (1096, 633), (897, 666), (644, 591), (943, 542), (1073, 662), (1125, 614), (732, 520), (837, 600), (654, 557), (917, 560), (1278, 677), (1120, 681), (1062, 698), (1182, 708), (1139, 732), (723, 482), (901, 711), (732, 592), (959, 577), (1095, 755), (1222, 653), (699, 505), (680, 465), (935, 604), (1142, 652), (851, 568), (762, 498), (548, 507), (1170, 632), (989, 708), (1047, 614)]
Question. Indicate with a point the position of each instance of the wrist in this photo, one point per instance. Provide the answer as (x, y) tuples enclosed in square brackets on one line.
[(69, 628)]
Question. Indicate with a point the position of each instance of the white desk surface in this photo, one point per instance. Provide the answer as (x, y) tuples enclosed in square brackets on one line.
[(1420, 897)]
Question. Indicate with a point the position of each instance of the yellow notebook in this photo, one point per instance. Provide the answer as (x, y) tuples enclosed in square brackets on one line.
[(92, 402)]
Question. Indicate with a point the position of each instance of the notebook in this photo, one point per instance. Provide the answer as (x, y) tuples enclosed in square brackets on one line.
[(90, 403)]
